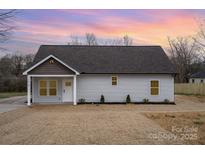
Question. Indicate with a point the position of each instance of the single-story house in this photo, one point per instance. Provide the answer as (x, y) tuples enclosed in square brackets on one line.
[(70, 73), (198, 77)]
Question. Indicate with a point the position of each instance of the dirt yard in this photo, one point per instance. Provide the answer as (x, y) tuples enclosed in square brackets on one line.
[(188, 126), (104, 124)]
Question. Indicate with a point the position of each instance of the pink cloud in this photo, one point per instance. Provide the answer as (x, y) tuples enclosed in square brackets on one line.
[(110, 26)]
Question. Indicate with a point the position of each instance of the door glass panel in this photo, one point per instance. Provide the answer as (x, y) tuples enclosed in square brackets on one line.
[(67, 83)]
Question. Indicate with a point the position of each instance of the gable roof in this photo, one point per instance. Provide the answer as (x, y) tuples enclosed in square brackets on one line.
[(109, 59), (45, 59), (198, 75)]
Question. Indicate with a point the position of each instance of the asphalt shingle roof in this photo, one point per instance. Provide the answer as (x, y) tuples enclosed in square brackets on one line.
[(110, 59), (198, 75)]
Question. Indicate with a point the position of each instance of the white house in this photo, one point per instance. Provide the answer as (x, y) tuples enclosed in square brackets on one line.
[(65, 74), (198, 77)]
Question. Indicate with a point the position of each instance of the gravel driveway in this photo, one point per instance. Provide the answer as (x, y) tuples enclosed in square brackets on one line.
[(12, 103), (67, 124), (90, 124)]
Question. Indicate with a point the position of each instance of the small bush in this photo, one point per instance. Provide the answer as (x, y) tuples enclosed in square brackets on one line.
[(166, 100), (197, 122), (102, 99), (128, 99), (169, 116), (82, 100), (145, 100)]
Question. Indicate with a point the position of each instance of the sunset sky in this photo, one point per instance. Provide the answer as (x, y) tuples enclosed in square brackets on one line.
[(146, 27)]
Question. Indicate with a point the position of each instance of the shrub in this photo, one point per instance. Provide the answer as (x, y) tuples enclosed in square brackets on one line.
[(82, 100), (102, 99), (128, 99), (166, 100), (170, 116), (145, 100), (198, 122)]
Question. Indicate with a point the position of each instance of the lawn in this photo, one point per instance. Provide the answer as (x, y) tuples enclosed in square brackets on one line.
[(11, 94)]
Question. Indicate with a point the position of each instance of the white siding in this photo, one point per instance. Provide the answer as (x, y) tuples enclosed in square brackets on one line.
[(196, 80), (90, 87)]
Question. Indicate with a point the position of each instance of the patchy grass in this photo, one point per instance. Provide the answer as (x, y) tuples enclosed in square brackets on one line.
[(190, 98), (188, 126), (11, 94)]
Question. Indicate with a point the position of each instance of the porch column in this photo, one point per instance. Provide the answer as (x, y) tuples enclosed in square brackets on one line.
[(74, 91), (28, 90)]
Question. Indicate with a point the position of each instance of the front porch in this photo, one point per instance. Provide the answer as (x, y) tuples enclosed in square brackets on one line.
[(51, 89), (51, 80)]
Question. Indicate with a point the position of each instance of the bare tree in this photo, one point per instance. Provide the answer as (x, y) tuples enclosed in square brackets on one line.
[(11, 68), (113, 42), (200, 39), (91, 39), (13, 64), (17, 62), (184, 52), (127, 41), (27, 60), (6, 68), (6, 25), (74, 40)]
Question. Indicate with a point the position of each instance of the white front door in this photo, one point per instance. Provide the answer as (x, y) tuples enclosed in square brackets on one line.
[(67, 90)]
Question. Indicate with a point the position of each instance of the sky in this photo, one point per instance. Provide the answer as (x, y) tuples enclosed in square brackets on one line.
[(146, 27)]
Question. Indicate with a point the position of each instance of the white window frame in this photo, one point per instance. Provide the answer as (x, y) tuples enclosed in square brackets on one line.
[(47, 87), (116, 80), (158, 87)]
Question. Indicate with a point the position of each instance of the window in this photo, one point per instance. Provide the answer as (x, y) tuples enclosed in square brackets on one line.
[(52, 88), (43, 88), (47, 87), (154, 87), (192, 80), (114, 80)]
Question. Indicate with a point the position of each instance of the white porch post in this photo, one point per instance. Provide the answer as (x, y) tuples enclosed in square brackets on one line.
[(74, 91), (28, 90)]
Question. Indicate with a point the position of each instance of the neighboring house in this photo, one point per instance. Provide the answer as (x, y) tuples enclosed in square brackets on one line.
[(198, 77), (66, 74)]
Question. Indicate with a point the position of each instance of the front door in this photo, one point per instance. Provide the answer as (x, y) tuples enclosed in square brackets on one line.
[(67, 90)]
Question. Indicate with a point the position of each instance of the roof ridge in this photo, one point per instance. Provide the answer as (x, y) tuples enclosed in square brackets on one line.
[(105, 45)]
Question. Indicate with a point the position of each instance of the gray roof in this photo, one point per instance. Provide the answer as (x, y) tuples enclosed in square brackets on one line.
[(110, 59), (198, 75)]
